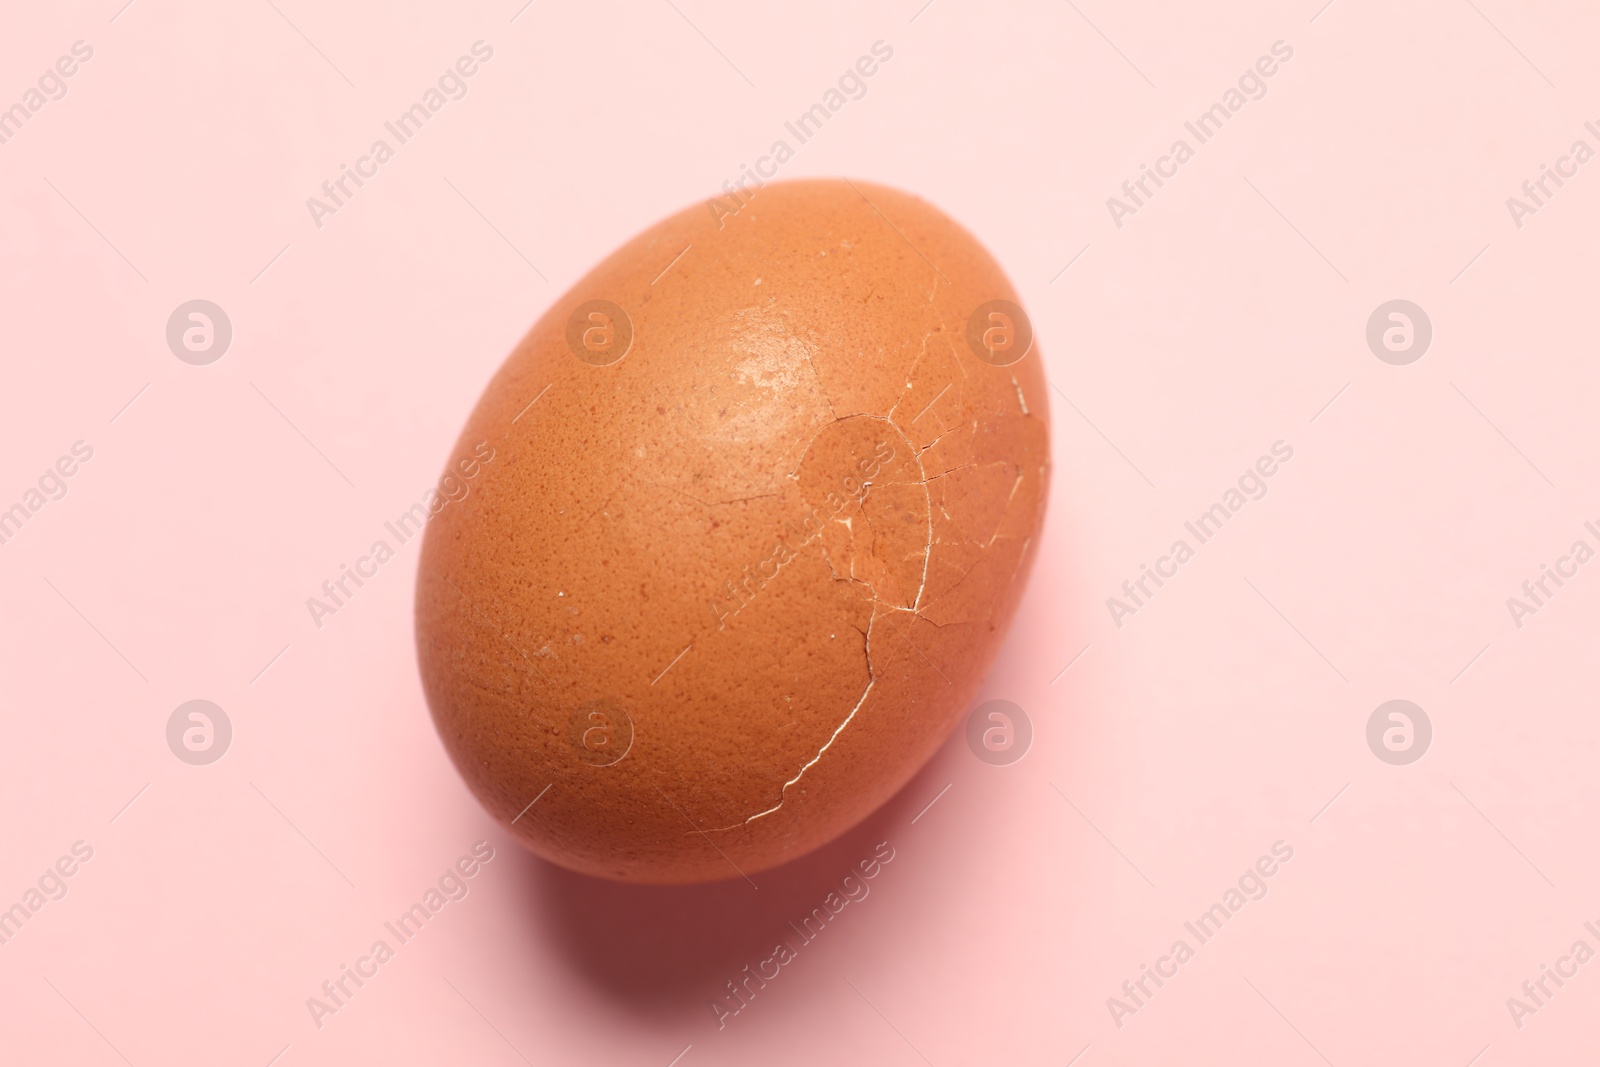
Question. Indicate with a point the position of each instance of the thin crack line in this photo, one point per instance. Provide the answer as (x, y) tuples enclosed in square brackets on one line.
[(279, 1056), (1503, 436), (1320, 10), (1503, 837), (121, 9), (817, 376), (1103, 837), (495, 228), (943, 434), (1479, 1056), (520, 10), (1087, 1047), (301, 432), (1296, 629), (1103, 437), (927, 548), (690, 1045), (1296, 229), (96, 629), (872, 680), (914, 648), (302, 834), (707, 836)]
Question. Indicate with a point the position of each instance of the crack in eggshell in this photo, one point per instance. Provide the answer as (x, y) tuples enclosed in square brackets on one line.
[(914, 608), (777, 693), (872, 679), (804, 476), (970, 502)]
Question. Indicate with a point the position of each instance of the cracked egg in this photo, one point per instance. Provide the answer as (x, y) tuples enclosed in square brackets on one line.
[(768, 481)]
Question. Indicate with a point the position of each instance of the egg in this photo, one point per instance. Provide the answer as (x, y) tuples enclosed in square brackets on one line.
[(734, 534)]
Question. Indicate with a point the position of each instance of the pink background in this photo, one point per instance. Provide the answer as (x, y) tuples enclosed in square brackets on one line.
[(1225, 716)]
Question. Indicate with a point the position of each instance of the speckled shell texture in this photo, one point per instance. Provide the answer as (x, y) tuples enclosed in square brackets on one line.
[(712, 603)]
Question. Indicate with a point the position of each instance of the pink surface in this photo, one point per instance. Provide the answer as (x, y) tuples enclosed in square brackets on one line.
[(1170, 753)]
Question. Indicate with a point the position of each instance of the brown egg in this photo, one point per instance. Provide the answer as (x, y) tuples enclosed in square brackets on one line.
[(748, 512)]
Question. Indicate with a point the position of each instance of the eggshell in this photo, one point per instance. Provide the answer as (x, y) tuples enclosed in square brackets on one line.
[(761, 493)]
